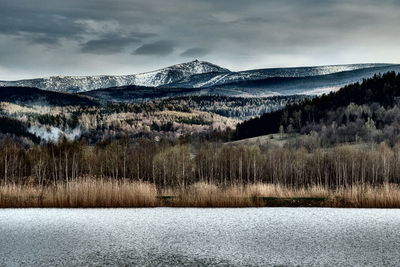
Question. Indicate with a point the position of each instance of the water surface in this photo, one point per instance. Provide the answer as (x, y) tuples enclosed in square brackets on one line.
[(200, 237)]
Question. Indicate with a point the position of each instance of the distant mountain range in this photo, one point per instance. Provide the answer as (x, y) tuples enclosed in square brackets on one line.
[(204, 78), (76, 84)]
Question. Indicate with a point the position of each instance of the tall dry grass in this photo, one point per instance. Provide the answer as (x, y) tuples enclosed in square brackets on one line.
[(385, 196), (83, 193), (109, 193)]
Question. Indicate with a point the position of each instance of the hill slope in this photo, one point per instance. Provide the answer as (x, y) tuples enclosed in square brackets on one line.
[(358, 103), (34, 96), (136, 94)]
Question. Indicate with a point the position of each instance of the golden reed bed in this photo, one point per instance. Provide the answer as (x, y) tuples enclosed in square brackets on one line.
[(107, 193)]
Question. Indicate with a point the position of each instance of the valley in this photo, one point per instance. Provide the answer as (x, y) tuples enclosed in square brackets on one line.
[(249, 129), (196, 99)]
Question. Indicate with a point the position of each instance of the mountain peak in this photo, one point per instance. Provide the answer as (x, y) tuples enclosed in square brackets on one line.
[(177, 72), (198, 67)]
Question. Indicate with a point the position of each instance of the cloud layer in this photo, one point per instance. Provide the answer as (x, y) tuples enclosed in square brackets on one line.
[(74, 37), (159, 48)]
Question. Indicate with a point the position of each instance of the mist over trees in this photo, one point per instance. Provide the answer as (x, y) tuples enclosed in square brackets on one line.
[(41, 123)]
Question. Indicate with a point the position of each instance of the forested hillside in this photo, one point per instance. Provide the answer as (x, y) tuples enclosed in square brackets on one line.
[(35, 96), (241, 108), (360, 111), (110, 121)]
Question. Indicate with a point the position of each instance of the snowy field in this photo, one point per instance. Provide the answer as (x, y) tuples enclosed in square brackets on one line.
[(200, 237)]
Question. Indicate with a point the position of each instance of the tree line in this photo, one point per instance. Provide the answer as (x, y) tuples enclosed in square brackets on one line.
[(173, 164)]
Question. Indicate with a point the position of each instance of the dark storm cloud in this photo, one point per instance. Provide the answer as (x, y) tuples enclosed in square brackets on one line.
[(234, 33), (113, 43), (20, 19), (194, 52), (108, 45), (159, 48)]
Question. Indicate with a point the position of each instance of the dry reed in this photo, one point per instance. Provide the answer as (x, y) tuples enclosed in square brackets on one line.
[(109, 193)]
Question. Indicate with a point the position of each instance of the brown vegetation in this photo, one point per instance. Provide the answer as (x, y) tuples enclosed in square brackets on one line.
[(107, 193), (146, 173)]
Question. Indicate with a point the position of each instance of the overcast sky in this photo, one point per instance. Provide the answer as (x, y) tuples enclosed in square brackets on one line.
[(85, 37)]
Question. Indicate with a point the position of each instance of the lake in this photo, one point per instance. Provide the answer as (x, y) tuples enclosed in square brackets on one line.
[(199, 237)]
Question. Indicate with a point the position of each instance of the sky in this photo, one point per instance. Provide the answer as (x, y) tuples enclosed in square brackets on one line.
[(89, 37)]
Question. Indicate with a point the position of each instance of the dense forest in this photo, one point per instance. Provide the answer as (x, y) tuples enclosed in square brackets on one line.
[(240, 108), (175, 164), (366, 111), (31, 124)]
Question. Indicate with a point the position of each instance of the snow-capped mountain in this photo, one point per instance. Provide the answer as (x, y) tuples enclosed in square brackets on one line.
[(215, 79), (291, 81), (208, 78), (305, 85), (177, 73), (156, 78)]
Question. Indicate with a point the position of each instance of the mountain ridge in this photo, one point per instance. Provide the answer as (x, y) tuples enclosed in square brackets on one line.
[(193, 74), (76, 84)]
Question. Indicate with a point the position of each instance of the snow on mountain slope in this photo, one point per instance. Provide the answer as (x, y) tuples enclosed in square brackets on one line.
[(273, 86), (156, 78), (72, 84), (176, 73), (310, 85), (203, 80), (195, 74)]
